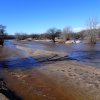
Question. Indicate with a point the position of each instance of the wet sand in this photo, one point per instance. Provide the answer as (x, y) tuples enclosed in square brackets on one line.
[(53, 80)]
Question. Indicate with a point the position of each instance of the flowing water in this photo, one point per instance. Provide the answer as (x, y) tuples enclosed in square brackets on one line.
[(11, 57), (31, 84), (86, 53)]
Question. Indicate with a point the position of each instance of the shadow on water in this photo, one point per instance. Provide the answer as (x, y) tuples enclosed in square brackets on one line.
[(54, 58), (82, 52), (26, 63), (11, 95), (18, 63), (79, 52), (92, 57)]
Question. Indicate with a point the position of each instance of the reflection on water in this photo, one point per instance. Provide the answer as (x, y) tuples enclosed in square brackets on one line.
[(9, 43), (92, 57), (35, 84), (18, 63), (11, 57), (81, 52)]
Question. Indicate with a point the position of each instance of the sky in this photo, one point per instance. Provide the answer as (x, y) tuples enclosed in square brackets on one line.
[(37, 16)]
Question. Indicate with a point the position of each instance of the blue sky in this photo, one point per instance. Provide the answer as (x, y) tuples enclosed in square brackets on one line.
[(38, 15)]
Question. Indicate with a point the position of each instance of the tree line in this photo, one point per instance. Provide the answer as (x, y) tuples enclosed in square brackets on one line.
[(92, 32)]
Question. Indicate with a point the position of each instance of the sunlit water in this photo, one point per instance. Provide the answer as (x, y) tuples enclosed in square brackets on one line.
[(85, 53), (89, 54), (36, 83), (11, 58)]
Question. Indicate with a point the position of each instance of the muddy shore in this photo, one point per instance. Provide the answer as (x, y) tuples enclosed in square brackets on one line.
[(53, 79)]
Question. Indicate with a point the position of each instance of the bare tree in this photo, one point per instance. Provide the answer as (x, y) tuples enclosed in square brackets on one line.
[(80, 35), (99, 33), (20, 36), (2, 30), (66, 34), (53, 33), (92, 26), (34, 36), (2, 34), (17, 36)]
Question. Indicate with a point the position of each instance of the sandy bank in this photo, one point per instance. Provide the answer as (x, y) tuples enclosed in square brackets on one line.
[(36, 53)]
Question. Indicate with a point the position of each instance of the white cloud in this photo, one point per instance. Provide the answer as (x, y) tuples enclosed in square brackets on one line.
[(77, 29), (98, 26)]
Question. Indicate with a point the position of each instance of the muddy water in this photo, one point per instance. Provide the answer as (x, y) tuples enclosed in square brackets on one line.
[(15, 68), (33, 85), (85, 53), (29, 83)]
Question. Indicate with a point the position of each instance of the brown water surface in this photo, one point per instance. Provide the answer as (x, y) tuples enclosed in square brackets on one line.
[(17, 69)]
